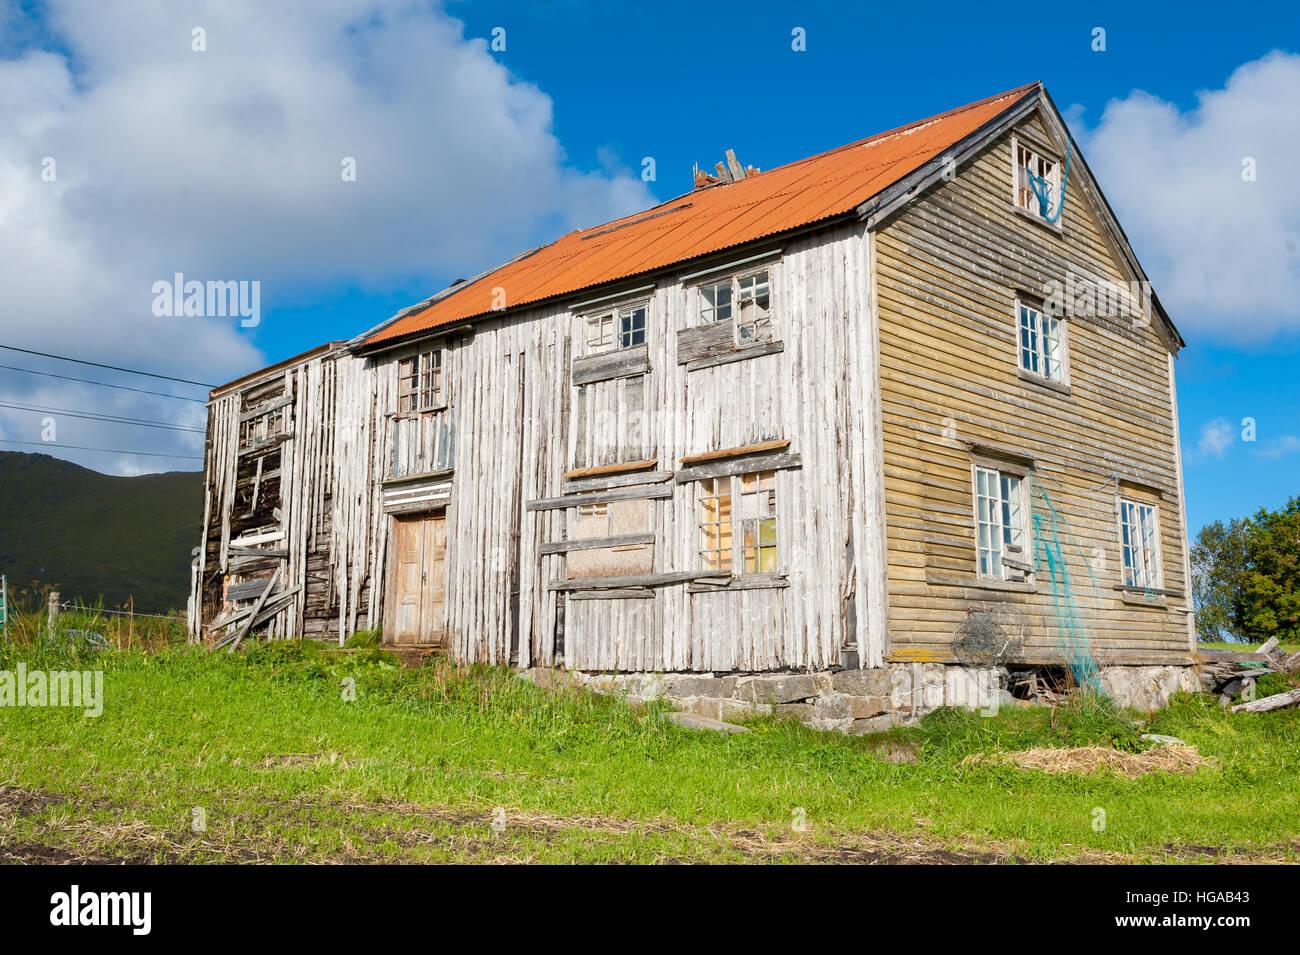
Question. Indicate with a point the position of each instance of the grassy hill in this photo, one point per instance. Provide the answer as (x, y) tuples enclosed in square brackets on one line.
[(93, 536)]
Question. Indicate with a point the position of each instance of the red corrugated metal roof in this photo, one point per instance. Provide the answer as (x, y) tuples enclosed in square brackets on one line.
[(711, 219)]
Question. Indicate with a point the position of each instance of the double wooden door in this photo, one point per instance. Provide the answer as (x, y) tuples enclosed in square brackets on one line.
[(416, 612)]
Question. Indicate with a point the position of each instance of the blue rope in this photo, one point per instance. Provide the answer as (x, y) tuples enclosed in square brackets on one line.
[(1041, 185)]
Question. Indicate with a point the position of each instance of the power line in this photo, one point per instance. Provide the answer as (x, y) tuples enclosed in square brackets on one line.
[(79, 447), (93, 416), (129, 371), (103, 384)]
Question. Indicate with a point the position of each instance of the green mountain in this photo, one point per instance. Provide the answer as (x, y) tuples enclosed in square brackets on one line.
[(97, 537)]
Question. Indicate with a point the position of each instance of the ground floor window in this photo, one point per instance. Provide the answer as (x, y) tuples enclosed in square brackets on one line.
[(1000, 531), (753, 522), (1140, 540)]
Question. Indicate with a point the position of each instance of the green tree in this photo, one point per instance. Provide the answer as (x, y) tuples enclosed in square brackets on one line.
[(1219, 563), (1269, 604)]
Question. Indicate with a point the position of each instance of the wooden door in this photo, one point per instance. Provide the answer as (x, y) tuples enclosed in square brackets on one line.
[(416, 611)]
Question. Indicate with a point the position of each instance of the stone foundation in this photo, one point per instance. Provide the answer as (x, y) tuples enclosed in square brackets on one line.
[(859, 701)]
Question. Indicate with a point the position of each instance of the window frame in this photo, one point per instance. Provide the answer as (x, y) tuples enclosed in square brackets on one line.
[(612, 335), (761, 324), (759, 486), (1147, 562), (427, 362), (1020, 506), (1039, 155), (1040, 354)]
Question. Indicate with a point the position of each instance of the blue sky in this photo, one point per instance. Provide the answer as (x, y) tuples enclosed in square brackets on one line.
[(219, 163)]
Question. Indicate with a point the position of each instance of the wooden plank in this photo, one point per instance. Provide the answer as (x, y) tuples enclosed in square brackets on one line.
[(595, 543), (610, 469), (622, 593), (1275, 702), (769, 462), (616, 480), (633, 580), (265, 409), (601, 497), (275, 579), (622, 363), (737, 354), (735, 452), (705, 341)]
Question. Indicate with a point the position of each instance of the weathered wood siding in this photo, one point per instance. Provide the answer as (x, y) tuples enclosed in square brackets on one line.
[(522, 423), (948, 271), (318, 517)]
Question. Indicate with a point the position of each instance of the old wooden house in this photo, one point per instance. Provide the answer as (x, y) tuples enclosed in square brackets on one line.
[(837, 421)]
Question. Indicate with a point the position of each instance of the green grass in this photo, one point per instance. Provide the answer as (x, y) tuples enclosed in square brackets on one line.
[(416, 767)]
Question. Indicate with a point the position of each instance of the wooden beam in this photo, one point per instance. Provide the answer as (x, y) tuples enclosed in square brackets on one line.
[(610, 469), (595, 543), (725, 468), (616, 480), (600, 497), (275, 579), (1275, 702), (735, 452), (738, 354), (633, 580)]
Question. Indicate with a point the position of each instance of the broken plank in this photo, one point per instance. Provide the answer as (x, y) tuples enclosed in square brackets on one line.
[(1275, 702)]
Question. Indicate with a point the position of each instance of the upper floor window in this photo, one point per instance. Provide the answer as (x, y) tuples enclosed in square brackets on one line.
[(624, 328), (745, 299), (419, 382), (1036, 175), (754, 522), (1140, 539), (1041, 342), (1000, 524), (263, 427)]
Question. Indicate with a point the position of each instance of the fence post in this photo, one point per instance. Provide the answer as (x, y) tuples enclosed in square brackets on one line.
[(4, 609), (54, 609)]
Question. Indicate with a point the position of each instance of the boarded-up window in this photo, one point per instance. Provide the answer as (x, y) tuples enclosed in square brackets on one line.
[(606, 520)]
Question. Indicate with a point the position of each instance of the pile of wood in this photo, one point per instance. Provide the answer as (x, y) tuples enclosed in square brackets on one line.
[(1229, 673)]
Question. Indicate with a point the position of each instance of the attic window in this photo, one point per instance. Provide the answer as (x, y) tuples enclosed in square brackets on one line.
[(1028, 160)]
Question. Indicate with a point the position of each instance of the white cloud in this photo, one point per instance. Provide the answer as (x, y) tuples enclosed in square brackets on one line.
[(1287, 444), (226, 164), (1216, 437), (1223, 254)]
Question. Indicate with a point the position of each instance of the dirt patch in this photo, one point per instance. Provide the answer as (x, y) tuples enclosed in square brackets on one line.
[(1091, 759), (16, 802), (306, 760)]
